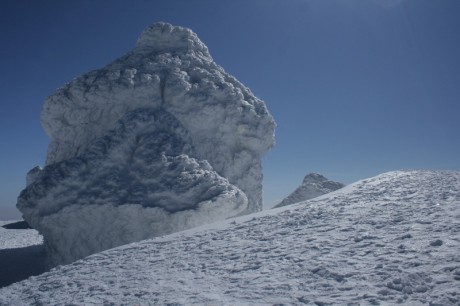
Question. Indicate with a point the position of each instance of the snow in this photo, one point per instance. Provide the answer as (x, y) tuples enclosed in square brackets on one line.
[(313, 185), (160, 140), (385, 240), (18, 238), (21, 252)]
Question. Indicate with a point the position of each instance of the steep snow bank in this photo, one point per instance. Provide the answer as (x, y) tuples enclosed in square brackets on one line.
[(392, 239), (313, 185)]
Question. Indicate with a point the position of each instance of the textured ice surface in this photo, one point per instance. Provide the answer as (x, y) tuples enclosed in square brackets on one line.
[(388, 240), (135, 182), (313, 185), (172, 69), (160, 140)]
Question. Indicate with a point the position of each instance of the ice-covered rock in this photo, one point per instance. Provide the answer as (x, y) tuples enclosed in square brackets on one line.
[(160, 140), (313, 185)]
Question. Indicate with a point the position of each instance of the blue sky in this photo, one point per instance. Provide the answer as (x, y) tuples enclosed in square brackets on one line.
[(357, 87)]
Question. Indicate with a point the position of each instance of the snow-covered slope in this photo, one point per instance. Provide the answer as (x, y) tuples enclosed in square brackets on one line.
[(160, 140), (313, 185), (394, 238)]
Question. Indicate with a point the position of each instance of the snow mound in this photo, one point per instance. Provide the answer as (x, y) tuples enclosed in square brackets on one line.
[(160, 140), (313, 185), (391, 239)]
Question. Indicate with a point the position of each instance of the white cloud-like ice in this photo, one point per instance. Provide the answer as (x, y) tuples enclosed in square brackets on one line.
[(160, 140)]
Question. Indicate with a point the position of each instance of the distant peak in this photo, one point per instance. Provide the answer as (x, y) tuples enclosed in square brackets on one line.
[(313, 185), (314, 177), (164, 37)]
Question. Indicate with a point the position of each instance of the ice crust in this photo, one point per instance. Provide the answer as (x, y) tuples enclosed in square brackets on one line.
[(313, 185), (160, 140)]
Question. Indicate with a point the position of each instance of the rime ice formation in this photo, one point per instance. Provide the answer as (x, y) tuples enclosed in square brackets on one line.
[(313, 185), (169, 68), (160, 140)]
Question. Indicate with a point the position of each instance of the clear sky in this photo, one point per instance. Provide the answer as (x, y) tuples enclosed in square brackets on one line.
[(357, 87)]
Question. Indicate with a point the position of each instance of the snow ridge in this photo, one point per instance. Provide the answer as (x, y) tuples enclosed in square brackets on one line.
[(386, 240), (313, 185)]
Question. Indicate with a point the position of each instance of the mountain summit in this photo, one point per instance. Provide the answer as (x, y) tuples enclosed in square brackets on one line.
[(313, 185)]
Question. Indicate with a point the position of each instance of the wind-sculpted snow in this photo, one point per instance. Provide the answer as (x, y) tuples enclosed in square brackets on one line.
[(172, 69), (160, 140), (134, 183), (392, 239), (313, 185)]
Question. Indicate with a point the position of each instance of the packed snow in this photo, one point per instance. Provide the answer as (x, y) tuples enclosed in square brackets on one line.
[(386, 240), (313, 185), (160, 140)]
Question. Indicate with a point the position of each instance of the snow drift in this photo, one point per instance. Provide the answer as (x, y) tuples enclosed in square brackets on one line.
[(313, 185), (388, 240), (160, 140)]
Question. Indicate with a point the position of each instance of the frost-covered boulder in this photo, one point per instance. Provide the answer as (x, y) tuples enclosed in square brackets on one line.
[(160, 140), (313, 185)]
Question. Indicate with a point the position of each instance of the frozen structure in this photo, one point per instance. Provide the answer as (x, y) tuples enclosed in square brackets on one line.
[(313, 185), (160, 140)]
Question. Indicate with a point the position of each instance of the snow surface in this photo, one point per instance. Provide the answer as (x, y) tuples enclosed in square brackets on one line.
[(313, 185), (18, 238), (21, 253), (160, 140), (389, 239)]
